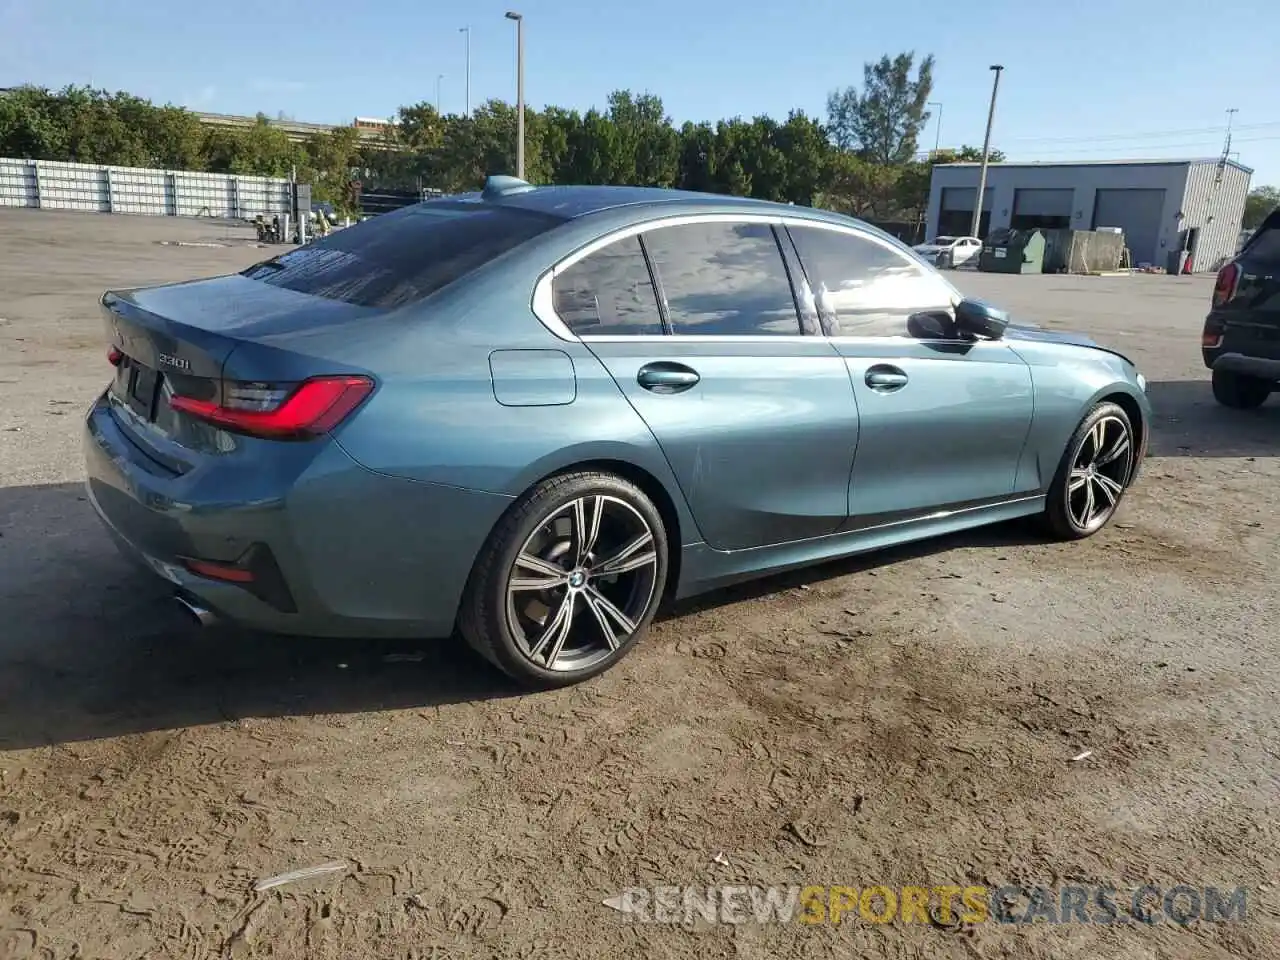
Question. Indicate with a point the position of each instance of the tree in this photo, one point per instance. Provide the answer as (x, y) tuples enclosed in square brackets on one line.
[(883, 121), (861, 162), (860, 187), (967, 154), (648, 147), (804, 143), (1261, 201), (330, 160), (30, 126)]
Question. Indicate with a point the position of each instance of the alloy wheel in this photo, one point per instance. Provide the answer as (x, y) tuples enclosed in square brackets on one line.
[(1098, 474), (582, 583)]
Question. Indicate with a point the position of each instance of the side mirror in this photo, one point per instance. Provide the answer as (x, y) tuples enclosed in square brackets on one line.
[(930, 326), (981, 319)]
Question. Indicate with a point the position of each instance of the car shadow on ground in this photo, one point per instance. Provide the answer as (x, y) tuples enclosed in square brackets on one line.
[(92, 647), (1190, 423)]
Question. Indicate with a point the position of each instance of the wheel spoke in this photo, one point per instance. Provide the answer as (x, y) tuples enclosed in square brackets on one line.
[(1115, 451), (632, 556), (548, 574), (1109, 488), (1094, 441), (604, 610), (602, 619), (587, 512), (1087, 513), (556, 631), (1079, 477)]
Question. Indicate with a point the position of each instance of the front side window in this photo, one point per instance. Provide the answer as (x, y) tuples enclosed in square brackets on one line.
[(723, 279), (864, 288), (608, 293)]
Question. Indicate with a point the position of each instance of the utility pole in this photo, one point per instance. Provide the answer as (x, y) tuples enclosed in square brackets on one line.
[(937, 134), (986, 154), (467, 32), (1231, 116), (519, 19), (439, 79)]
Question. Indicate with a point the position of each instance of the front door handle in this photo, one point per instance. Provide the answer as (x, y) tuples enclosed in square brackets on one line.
[(885, 378), (667, 377)]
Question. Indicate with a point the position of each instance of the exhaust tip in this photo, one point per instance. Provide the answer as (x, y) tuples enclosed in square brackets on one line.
[(203, 616)]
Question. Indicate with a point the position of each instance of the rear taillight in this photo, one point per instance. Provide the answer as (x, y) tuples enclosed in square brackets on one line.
[(1225, 288), (210, 570), (114, 356), (1211, 338), (280, 412)]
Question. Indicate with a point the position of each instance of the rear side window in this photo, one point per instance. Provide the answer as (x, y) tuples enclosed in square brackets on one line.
[(609, 293), (723, 279), (1265, 247), (864, 288), (403, 257)]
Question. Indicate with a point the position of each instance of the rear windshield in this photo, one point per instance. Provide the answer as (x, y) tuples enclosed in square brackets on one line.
[(402, 257)]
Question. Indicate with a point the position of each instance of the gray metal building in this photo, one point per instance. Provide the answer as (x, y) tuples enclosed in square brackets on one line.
[(1161, 205)]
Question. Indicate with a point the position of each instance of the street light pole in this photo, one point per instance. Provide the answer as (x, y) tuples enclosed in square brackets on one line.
[(937, 130), (439, 78), (467, 32), (986, 154), (519, 19)]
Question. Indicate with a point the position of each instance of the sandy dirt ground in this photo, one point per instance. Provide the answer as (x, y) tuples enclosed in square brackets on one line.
[(902, 719)]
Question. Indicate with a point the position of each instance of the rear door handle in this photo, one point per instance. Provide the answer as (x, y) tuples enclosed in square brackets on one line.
[(885, 378), (664, 377)]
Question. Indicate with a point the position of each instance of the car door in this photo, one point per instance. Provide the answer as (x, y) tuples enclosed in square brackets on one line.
[(697, 321), (942, 421)]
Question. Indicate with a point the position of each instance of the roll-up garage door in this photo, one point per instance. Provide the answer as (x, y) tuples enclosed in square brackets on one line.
[(1048, 209), (1137, 213)]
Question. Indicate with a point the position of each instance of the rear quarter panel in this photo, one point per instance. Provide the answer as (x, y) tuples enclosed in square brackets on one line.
[(1067, 381), (440, 416)]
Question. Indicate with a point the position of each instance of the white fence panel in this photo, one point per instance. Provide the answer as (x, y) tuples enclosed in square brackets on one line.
[(52, 185), (136, 190), (73, 186), (18, 184)]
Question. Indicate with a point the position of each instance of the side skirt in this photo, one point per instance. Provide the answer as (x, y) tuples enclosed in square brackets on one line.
[(703, 568)]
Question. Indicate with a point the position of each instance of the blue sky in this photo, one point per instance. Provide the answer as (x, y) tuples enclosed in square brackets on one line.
[(1084, 80)]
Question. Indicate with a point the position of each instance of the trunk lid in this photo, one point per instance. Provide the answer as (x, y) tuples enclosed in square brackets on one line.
[(180, 340)]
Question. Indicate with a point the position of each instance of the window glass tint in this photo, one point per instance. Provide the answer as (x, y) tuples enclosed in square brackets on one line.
[(402, 257), (1265, 247), (609, 293), (723, 279), (863, 288)]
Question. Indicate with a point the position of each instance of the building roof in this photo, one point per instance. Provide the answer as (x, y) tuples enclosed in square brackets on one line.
[(1173, 162)]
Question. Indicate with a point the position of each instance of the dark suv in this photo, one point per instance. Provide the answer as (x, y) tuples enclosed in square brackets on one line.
[(1241, 341)]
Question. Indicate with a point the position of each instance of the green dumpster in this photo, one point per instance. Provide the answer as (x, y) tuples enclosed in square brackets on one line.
[(1012, 251)]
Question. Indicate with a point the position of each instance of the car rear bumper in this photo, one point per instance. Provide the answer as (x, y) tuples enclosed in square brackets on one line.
[(357, 553), (1265, 368)]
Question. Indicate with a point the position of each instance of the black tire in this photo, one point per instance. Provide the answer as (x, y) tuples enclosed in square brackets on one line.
[(493, 617), (1069, 502), (1240, 391)]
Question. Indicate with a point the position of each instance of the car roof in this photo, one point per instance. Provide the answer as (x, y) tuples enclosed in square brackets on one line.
[(573, 202)]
